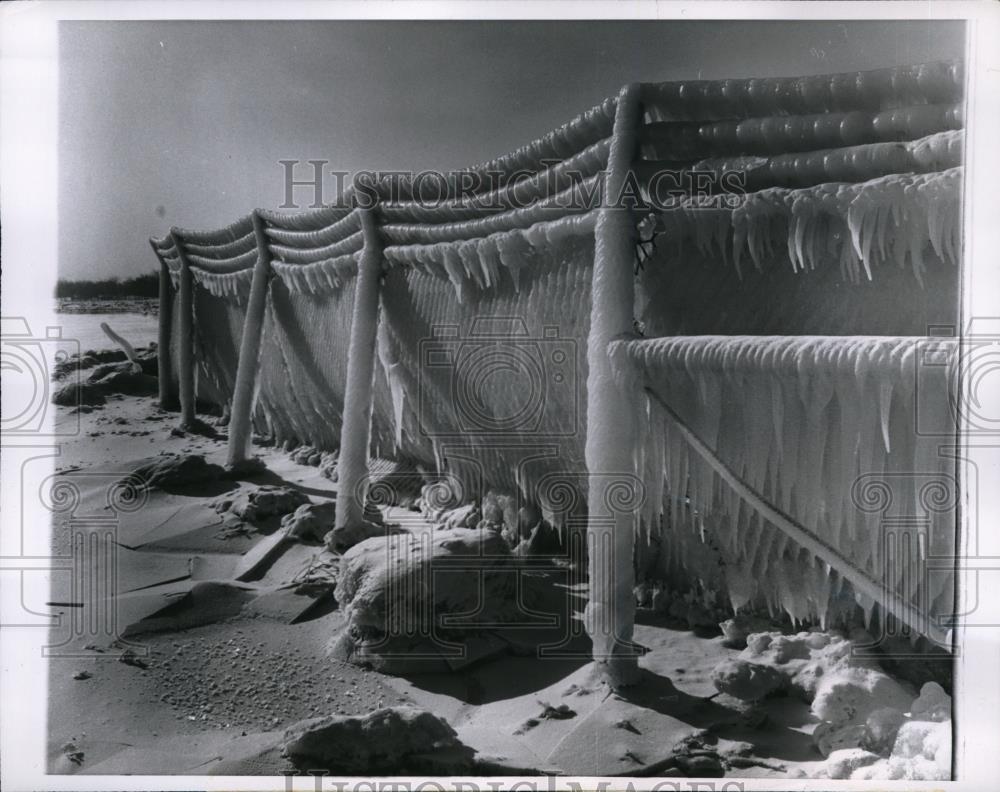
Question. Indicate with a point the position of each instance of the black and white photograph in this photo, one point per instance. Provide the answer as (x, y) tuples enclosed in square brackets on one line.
[(473, 391)]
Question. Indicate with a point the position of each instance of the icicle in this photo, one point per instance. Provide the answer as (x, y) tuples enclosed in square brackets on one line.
[(511, 256), (861, 216), (884, 405), (453, 266), (801, 210), (458, 252), (489, 260), (309, 273)]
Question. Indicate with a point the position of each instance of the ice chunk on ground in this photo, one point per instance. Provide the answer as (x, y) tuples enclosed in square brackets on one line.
[(388, 741)]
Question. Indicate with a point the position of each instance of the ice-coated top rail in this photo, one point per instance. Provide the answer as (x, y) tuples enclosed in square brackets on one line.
[(879, 89), (811, 129)]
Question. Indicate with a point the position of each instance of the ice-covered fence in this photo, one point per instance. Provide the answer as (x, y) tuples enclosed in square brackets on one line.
[(833, 208), (202, 325), (755, 447), (303, 369), (484, 342), (814, 427), (853, 180)]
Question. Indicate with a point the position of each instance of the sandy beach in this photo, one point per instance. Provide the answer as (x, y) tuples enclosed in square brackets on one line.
[(222, 648)]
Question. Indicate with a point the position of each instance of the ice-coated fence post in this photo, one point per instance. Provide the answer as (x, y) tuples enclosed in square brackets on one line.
[(185, 355), (241, 411), (164, 367), (611, 426), (355, 432)]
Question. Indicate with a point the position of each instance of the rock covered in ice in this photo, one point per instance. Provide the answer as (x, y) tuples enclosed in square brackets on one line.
[(146, 358), (307, 455), (829, 738), (178, 470), (79, 394), (847, 696), (782, 649), (922, 751), (735, 631), (376, 570), (393, 739), (124, 378), (803, 659), (310, 522), (400, 592), (933, 704), (841, 764), (747, 681), (260, 503), (881, 728), (806, 679), (328, 464)]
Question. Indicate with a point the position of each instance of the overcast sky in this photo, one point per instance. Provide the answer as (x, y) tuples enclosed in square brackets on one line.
[(178, 123)]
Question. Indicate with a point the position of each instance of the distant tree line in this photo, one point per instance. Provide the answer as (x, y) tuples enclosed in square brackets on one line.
[(141, 286)]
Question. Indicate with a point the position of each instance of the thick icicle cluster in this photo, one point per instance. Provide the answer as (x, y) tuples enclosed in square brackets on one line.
[(824, 428), (235, 285), (479, 261), (857, 227), (319, 277), (517, 343), (221, 265)]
